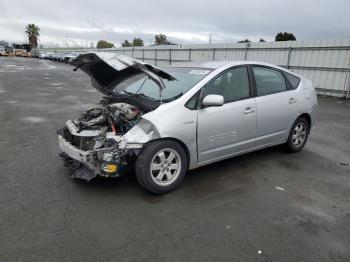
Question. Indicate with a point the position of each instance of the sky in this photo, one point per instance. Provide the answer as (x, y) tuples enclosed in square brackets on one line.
[(82, 22)]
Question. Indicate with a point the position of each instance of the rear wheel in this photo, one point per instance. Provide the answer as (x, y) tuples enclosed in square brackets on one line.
[(298, 135), (161, 166)]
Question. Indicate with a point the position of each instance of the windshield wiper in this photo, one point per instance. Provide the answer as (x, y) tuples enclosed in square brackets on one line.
[(142, 94), (166, 100), (138, 94), (129, 93)]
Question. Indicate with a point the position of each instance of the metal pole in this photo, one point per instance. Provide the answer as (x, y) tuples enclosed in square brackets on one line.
[(155, 57), (169, 56), (246, 51), (348, 94), (143, 54), (347, 82), (209, 46), (214, 53), (288, 59), (189, 54), (132, 52)]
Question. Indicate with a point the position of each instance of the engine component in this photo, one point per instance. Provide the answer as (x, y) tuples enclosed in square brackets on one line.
[(116, 117), (128, 111)]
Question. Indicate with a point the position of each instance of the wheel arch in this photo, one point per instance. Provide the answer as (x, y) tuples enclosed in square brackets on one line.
[(307, 117), (182, 144)]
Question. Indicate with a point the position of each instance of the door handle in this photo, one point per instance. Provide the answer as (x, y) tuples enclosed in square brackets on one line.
[(249, 110), (292, 100)]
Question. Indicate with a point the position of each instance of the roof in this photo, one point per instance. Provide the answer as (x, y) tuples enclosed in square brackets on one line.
[(218, 64), (205, 64)]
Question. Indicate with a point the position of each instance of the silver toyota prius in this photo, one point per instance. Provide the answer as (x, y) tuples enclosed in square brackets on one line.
[(163, 122)]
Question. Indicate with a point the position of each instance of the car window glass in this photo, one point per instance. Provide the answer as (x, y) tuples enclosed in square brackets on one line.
[(269, 81), (186, 78), (192, 103), (294, 80), (233, 85)]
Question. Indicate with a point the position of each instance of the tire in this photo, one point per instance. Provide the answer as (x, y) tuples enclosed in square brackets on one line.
[(298, 135), (161, 166)]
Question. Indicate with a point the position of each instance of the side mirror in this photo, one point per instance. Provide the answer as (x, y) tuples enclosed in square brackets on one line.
[(213, 100)]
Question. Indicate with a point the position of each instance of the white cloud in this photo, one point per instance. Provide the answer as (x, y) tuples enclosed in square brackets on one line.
[(81, 21)]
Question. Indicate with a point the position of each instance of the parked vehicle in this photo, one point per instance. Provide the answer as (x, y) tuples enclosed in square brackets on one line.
[(61, 57), (70, 57), (6, 51), (55, 56), (18, 52), (165, 122), (41, 56), (50, 55), (9, 51), (2, 50)]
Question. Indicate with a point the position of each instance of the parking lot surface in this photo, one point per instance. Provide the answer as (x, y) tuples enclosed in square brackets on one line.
[(264, 206)]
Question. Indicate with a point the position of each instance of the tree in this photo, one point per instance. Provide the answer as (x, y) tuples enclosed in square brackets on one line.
[(32, 32), (126, 43), (262, 40), (137, 42), (161, 39), (285, 37), (104, 44), (244, 41)]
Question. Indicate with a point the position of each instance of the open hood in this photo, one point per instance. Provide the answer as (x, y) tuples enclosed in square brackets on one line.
[(107, 70)]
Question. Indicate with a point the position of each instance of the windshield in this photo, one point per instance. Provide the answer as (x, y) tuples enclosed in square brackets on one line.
[(143, 85)]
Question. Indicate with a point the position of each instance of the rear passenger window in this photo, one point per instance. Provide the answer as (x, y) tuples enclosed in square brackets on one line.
[(269, 81), (293, 80)]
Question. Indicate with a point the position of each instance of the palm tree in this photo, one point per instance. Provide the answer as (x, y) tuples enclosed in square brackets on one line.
[(33, 32)]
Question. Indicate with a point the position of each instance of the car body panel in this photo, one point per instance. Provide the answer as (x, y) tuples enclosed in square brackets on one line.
[(274, 125), (178, 113), (214, 133), (226, 129)]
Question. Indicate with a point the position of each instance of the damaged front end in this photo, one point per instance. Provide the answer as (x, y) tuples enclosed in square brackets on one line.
[(94, 144)]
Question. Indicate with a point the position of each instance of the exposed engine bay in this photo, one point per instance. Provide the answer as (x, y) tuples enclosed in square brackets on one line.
[(98, 131), (118, 118), (95, 143)]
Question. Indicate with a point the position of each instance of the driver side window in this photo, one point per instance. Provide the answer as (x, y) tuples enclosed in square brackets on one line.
[(233, 85)]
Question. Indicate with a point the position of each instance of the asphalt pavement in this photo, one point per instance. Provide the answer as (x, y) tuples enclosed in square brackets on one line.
[(265, 206)]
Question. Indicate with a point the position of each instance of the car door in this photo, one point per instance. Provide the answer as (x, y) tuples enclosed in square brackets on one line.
[(275, 105), (230, 128)]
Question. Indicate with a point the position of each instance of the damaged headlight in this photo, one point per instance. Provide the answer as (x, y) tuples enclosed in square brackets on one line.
[(112, 163), (124, 145)]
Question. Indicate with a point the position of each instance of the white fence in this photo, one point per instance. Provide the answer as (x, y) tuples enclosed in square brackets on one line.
[(326, 63)]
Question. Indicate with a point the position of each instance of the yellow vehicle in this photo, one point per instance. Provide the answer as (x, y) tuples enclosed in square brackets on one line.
[(18, 52)]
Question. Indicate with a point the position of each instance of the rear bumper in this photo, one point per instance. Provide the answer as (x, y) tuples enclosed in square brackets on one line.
[(314, 113)]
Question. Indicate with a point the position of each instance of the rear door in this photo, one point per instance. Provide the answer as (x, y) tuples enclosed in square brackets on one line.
[(228, 129), (276, 105)]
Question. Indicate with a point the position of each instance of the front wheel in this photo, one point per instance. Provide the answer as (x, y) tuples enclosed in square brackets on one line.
[(298, 135), (161, 166)]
